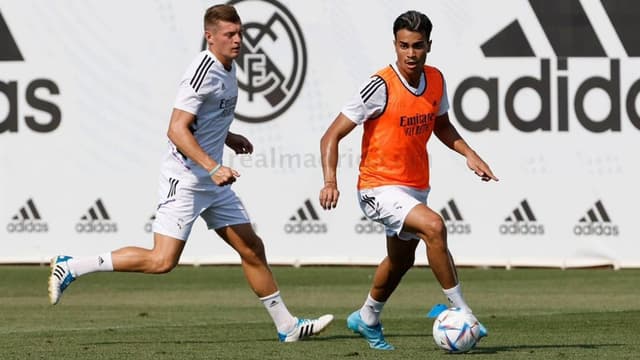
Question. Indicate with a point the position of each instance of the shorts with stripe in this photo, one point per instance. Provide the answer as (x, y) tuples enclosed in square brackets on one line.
[(181, 204), (389, 205)]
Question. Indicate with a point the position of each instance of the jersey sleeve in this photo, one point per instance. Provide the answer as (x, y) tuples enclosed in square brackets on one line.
[(368, 103), (444, 101), (187, 99), (194, 85)]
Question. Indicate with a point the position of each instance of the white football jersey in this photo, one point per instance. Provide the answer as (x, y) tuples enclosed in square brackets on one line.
[(210, 92)]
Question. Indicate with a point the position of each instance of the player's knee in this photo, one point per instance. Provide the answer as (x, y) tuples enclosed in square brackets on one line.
[(434, 227), (253, 251), (162, 264)]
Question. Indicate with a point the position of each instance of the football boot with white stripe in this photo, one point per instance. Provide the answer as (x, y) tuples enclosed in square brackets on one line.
[(60, 277), (305, 328)]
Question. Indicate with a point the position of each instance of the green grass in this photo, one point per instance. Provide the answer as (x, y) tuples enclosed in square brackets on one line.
[(210, 313)]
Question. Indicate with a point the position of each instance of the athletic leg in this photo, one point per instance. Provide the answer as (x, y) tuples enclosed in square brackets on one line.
[(366, 321), (250, 247), (400, 258), (430, 227), (160, 259)]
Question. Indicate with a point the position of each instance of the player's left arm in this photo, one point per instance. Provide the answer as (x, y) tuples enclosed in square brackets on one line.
[(447, 133), (238, 143)]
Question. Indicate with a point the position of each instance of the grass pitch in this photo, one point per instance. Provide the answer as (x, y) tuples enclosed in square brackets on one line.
[(210, 313)]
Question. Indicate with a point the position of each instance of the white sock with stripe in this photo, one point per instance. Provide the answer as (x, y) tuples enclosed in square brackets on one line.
[(371, 310), (279, 313), (88, 264)]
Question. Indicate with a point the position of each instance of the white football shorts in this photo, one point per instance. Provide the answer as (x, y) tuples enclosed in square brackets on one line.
[(181, 204), (389, 205)]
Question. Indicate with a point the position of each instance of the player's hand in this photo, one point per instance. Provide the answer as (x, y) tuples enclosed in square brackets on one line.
[(239, 144), (225, 176), (480, 168), (329, 195)]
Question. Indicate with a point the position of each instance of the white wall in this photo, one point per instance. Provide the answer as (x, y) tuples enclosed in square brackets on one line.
[(110, 69)]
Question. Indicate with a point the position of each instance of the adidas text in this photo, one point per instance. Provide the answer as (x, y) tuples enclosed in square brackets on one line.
[(28, 227), (542, 86), (35, 87), (458, 228), (96, 227), (596, 229), (305, 227), (523, 228), (369, 228)]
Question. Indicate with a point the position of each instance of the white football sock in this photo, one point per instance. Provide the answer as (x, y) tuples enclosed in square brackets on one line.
[(88, 264), (454, 295), (371, 310), (281, 316)]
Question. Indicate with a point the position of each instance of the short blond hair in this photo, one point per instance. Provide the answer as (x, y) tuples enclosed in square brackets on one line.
[(221, 12)]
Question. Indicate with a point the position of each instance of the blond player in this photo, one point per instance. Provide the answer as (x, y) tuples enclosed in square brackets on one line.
[(194, 183), (399, 107)]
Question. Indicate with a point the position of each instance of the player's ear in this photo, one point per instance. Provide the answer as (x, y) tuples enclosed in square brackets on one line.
[(429, 46), (208, 36)]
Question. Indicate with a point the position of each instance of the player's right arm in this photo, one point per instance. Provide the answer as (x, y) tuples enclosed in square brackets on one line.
[(340, 127), (181, 136), (367, 103)]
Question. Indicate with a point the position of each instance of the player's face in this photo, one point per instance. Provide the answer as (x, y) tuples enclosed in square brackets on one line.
[(411, 52), (225, 40)]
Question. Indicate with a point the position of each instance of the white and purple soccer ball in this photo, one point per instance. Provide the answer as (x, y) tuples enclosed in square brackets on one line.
[(456, 331)]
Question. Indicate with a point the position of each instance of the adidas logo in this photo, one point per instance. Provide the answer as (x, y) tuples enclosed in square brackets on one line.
[(27, 220), (596, 222), (37, 95), (521, 221), (305, 220), (570, 33), (96, 220), (453, 219), (366, 226)]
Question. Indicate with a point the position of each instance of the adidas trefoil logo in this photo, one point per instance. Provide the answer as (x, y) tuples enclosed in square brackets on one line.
[(305, 220), (27, 220), (596, 222), (366, 226), (453, 219), (96, 220), (521, 221)]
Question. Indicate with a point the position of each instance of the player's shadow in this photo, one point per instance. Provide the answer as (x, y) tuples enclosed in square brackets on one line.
[(495, 349), (501, 349)]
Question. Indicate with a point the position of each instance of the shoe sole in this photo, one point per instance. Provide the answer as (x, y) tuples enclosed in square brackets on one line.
[(52, 266)]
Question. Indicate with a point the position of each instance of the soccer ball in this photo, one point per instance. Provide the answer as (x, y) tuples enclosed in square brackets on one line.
[(456, 331)]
